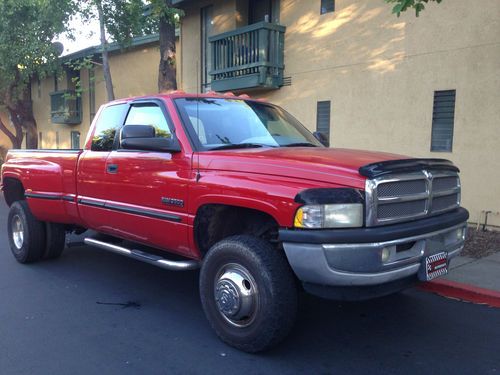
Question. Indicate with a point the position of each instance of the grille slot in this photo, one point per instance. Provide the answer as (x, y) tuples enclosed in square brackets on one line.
[(399, 198), (402, 209), (401, 188), (444, 202), (444, 183)]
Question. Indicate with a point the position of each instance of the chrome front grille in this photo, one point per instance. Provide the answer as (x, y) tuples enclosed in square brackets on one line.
[(399, 198)]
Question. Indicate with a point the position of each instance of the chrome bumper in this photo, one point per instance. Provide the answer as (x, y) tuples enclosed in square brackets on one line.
[(370, 263)]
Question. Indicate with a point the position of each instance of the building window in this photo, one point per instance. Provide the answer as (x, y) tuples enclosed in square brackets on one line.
[(327, 6), (206, 50), (65, 107), (75, 140), (443, 119), (260, 10), (72, 79), (323, 117)]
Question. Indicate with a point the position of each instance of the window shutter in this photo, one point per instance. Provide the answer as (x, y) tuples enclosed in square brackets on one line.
[(327, 6), (443, 116), (323, 117)]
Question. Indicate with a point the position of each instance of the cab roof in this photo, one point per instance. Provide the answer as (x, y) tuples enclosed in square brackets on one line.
[(181, 94)]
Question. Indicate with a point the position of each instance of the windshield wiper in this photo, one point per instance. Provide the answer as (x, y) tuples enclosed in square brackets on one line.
[(230, 146), (299, 144)]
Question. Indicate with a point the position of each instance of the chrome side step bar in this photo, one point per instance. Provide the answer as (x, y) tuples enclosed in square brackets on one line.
[(155, 260)]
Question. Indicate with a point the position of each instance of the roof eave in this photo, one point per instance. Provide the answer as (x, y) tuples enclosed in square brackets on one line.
[(112, 47)]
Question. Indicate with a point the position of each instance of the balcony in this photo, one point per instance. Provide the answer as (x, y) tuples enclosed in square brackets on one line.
[(65, 107), (249, 58)]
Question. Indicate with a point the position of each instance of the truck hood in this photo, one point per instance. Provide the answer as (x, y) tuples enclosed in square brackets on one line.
[(326, 165)]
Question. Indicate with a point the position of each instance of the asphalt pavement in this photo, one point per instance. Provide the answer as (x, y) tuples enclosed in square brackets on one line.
[(92, 312)]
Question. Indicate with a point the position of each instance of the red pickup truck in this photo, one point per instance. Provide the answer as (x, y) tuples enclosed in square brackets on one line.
[(239, 188)]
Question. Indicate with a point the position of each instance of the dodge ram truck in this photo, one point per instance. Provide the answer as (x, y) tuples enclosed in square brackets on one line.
[(240, 189)]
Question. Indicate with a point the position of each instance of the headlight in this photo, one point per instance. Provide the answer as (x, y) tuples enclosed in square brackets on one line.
[(318, 216)]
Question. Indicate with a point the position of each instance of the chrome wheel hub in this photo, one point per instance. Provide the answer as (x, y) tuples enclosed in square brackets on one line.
[(236, 295), (17, 232)]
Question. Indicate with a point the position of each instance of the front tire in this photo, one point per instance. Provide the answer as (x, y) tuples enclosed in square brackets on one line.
[(248, 293), (26, 234)]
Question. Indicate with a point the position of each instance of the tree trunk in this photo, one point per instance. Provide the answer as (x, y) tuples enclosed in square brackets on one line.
[(105, 58), (16, 139), (167, 80), (21, 117)]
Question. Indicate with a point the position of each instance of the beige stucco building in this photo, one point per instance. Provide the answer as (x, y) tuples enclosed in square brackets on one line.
[(134, 71), (349, 68)]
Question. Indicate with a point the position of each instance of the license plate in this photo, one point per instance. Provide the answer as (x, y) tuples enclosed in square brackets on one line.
[(436, 265)]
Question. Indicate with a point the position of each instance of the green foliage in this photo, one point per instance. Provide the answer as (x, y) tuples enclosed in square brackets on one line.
[(127, 19), (403, 5), (161, 133), (161, 8), (123, 20), (85, 63), (104, 140), (27, 29)]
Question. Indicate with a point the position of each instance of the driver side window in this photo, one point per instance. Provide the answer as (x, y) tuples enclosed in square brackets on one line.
[(149, 115)]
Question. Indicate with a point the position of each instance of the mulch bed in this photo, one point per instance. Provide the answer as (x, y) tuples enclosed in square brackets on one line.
[(479, 244)]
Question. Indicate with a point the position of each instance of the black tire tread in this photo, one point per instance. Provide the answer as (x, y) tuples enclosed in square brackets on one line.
[(34, 243), (275, 268), (56, 240)]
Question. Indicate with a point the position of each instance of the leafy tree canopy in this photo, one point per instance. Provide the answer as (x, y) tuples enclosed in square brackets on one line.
[(123, 20), (27, 29), (127, 19), (403, 5)]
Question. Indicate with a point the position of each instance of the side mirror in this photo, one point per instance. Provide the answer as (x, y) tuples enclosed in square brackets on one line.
[(141, 137), (322, 138), (151, 144), (137, 131)]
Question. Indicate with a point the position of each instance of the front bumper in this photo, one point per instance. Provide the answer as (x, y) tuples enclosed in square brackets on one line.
[(350, 258)]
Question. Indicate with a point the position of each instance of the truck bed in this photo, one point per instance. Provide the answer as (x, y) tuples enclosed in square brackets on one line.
[(48, 178)]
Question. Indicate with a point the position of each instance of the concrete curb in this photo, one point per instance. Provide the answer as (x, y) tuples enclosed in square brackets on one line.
[(464, 292)]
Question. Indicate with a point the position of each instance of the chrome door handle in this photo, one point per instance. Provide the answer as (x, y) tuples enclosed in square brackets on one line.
[(112, 168)]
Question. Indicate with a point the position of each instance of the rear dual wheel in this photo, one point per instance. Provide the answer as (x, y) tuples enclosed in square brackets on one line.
[(30, 239), (248, 293)]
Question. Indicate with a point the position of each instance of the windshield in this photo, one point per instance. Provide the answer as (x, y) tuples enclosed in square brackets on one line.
[(217, 123)]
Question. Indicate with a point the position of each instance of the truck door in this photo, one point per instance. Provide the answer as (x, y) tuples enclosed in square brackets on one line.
[(91, 176), (146, 191)]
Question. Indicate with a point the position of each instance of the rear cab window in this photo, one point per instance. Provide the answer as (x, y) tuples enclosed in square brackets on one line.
[(108, 124)]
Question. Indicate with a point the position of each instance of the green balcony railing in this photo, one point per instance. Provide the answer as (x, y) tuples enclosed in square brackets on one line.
[(248, 58), (65, 107)]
